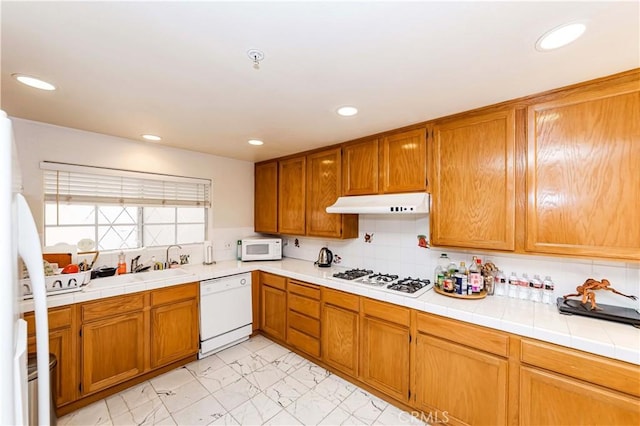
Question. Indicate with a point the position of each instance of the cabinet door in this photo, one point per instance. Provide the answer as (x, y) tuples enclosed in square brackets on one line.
[(265, 216), (583, 175), (324, 182), (112, 351), (552, 399), (385, 357), (403, 162), (360, 168), (291, 196), (464, 384), (174, 332), (473, 186), (274, 312), (340, 330)]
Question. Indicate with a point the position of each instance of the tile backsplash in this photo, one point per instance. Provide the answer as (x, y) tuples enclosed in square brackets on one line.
[(393, 248)]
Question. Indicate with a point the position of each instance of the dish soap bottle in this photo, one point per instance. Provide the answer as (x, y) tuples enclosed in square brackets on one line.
[(122, 264)]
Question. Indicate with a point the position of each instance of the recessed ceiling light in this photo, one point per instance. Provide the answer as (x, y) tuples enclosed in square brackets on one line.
[(560, 36), (347, 111), (152, 138), (255, 142), (33, 82)]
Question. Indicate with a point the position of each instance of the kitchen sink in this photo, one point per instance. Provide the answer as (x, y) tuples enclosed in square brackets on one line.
[(162, 274), (169, 276), (99, 283)]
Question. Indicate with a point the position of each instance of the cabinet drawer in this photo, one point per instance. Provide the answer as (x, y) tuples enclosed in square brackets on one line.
[(304, 289), (58, 318), (387, 312), (304, 305), (613, 374), (174, 294), (274, 281), (112, 306), (304, 342), (341, 299), (305, 324), (481, 338)]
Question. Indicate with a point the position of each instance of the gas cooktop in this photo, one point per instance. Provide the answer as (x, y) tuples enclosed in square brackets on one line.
[(412, 287)]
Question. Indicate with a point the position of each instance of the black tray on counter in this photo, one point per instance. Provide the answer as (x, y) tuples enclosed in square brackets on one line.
[(607, 312)]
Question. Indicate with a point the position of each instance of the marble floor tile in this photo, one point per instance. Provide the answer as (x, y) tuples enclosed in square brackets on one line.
[(202, 412), (94, 414), (283, 418), (171, 380), (147, 414), (116, 405), (217, 379), (272, 352), (265, 376), (285, 391), (336, 417), (256, 411), (334, 389), (290, 362), (310, 375), (138, 395), (392, 416), (205, 365), (310, 408), (256, 343), (233, 353), (248, 364), (364, 406), (183, 396), (226, 420), (236, 393)]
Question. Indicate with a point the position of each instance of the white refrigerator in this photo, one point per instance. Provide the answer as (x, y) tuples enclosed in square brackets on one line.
[(19, 237)]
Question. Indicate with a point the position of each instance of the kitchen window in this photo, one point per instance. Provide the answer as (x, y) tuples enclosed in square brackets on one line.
[(122, 209)]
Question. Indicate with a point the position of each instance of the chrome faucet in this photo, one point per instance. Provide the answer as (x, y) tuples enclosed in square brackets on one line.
[(168, 262)]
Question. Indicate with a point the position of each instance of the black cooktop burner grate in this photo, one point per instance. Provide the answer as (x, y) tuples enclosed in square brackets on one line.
[(352, 274)]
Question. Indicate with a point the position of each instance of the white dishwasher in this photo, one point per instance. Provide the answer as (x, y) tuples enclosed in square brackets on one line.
[(225, 312)]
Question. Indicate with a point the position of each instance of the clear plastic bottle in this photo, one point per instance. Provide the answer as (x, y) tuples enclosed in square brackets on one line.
[(547, 291), (523, 288), (440, 272), (500, 283), (536, 289), (514, 283), (475, 278), (122, 264)]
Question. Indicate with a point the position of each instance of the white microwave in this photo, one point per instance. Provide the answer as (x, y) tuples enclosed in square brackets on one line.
[(261, 249)]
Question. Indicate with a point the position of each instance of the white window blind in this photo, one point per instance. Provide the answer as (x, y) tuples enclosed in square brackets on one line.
[(69, 183)]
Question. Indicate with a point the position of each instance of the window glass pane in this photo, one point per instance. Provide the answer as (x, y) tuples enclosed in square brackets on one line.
[(190, 233), (73, 214), (117, 237), (159, 214), (190, 214), (50, 214), (67, 234), (117, 215), (159, 235)]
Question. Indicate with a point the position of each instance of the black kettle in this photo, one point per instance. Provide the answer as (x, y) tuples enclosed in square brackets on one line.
[(325, 257)]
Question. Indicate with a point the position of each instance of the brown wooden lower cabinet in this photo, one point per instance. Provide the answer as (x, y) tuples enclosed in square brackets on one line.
[(468, 385), (341, 331), (274, 312), (112, 351), (552, 399), (385, 350), (174, 331)]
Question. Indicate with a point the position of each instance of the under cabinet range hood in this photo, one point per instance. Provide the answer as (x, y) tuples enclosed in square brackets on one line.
[(407, 203)]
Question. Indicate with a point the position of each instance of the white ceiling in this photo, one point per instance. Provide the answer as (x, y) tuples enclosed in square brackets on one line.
[(180, 69)]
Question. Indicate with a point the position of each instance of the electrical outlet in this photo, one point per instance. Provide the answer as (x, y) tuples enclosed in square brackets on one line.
[(227, 246)]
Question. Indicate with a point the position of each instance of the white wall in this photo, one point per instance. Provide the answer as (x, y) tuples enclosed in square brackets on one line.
[(394, 249), (231, 216)]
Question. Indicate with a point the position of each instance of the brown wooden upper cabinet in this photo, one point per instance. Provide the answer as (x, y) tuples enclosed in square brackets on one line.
[(583, 152), (324, 180), (292, 195), (473, 188), (360, 168), (265, 216), (403, 162)]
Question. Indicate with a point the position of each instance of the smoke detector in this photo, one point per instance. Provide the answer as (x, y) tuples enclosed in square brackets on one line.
[(256, 56)]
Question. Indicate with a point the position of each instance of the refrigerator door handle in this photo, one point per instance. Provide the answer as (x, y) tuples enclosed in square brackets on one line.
[(20, 379), (31, 253)]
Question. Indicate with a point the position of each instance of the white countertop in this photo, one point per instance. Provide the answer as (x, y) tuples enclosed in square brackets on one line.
[(522, 317)]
